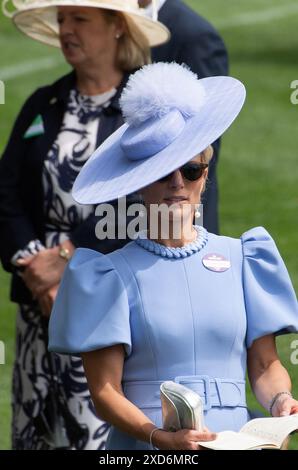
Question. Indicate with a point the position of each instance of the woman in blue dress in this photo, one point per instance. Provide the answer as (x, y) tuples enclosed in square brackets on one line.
[(195, 308)]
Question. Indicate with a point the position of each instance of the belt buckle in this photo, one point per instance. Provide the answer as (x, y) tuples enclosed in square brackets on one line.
[(184, 380), (229, 392), (206, 380)]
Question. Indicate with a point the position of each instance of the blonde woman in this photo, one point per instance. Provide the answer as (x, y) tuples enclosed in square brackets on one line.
[(183, 305), (40, 224)]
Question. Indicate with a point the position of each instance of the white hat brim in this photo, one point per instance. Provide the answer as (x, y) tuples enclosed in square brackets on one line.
[(40, 22), (109, 174)]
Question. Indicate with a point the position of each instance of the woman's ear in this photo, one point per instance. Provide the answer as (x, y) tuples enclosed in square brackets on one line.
[(120, 26)]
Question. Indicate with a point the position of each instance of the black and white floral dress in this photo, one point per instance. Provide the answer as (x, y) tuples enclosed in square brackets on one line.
[(51, 402)]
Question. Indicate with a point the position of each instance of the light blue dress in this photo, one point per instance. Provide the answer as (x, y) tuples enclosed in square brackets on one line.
[(178, 317)]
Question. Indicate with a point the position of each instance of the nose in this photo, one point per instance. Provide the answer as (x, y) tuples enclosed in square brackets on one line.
[(65, 26), (176, 180)]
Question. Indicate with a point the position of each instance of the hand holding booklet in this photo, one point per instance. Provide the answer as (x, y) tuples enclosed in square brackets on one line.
[(259, 433), (182, 408)]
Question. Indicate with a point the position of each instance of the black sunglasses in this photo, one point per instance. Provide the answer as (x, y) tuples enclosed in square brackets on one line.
[(191, 171)]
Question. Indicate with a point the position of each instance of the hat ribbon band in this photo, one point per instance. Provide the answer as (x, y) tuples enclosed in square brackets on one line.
[(152, 136)]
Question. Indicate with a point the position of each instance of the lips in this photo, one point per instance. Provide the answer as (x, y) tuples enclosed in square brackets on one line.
[(68, 45), (175, 199)]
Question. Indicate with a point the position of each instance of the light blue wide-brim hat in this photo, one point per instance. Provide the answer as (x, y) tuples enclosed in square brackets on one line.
[(171, 116)]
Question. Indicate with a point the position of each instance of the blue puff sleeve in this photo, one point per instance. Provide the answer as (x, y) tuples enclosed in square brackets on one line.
[(271, 302), (91, 310)]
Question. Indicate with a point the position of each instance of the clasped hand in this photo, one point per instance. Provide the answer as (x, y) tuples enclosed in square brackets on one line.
[(42, 275)]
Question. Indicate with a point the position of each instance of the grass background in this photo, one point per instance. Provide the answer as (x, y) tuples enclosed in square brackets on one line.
[(257, 171)]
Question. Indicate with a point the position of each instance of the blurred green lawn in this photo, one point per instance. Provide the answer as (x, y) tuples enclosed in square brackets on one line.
[(257, 172)]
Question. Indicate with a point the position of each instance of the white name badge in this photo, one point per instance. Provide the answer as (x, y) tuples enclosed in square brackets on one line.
[(216, 262)]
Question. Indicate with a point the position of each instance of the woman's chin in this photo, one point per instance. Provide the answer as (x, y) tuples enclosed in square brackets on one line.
[(179, 216), (72, 58), (180, 212)]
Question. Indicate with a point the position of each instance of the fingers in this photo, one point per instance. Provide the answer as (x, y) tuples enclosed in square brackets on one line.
[(285, 409), (46, 301), (44, 307), (186, 439), (53, 293), (208, 436), (41, 289), (284, 406), (200, 435), (29, 278), (25, 261), (37, 286), (294, 410)]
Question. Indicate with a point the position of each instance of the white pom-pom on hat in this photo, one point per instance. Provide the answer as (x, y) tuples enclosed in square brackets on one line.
[(156, 89), (134, 157)]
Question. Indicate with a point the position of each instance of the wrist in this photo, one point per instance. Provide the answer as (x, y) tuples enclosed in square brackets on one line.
[(280, 396), (161, 439)]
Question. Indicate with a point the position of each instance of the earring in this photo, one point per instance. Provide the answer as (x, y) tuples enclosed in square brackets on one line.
[(117, 36), (197, 213)]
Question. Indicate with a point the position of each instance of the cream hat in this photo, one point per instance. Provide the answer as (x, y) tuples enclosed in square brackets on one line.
[(38, 18)]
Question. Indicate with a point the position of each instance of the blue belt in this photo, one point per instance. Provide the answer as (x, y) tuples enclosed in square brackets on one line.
[(215, 392)]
